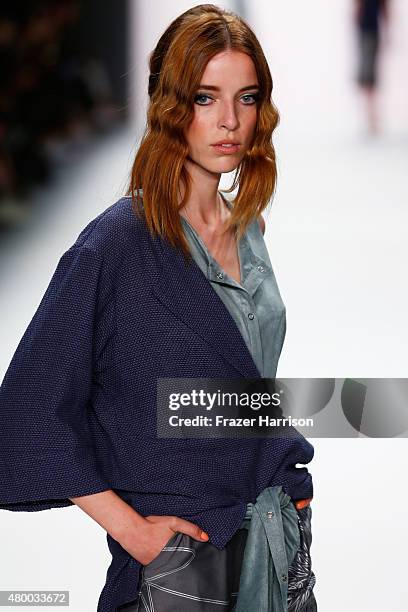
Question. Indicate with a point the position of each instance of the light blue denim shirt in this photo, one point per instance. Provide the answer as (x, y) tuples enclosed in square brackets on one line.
[(272, 542), (259, 312), (256, 304)]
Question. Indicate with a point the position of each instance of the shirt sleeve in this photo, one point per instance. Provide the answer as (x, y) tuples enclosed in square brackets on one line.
[(46, 451)]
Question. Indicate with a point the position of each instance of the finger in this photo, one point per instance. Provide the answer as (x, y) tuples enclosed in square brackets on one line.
[(190, 529)]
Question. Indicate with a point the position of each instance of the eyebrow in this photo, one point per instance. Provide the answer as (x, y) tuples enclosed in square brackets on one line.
[(214, 88)]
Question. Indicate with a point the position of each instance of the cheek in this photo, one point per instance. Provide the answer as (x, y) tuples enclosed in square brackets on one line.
[(192, 135), (250, 125), (201, 124), (197, 134)]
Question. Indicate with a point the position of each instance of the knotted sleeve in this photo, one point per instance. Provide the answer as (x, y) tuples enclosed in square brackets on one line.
[(46, 450)]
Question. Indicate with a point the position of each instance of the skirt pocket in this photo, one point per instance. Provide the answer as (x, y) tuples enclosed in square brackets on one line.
[(165, 553)]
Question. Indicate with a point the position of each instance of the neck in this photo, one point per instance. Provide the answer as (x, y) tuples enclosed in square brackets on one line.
[(204, 206)]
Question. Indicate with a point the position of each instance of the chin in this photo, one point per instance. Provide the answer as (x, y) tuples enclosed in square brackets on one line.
[(218, 166), (224, 166)]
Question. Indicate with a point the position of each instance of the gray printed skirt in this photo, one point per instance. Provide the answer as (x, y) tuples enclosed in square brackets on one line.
[(189, 575)]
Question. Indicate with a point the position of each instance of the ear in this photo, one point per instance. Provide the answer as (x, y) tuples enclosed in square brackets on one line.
[(262, 223)]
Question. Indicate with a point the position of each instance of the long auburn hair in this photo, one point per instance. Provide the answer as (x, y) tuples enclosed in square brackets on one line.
[(176, 67)]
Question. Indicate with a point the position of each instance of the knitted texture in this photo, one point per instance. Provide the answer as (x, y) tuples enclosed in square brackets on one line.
[(78, 401)]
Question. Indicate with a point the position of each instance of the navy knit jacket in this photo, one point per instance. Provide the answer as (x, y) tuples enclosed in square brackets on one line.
[(78, 401)]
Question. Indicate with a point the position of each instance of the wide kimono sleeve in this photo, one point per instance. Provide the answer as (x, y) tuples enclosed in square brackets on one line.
[(46, 451)]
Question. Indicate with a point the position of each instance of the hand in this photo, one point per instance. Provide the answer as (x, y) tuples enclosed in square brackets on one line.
[(145, 542)]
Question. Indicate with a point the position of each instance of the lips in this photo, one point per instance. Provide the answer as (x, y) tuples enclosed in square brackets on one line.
[(226, 143), (226, 147)]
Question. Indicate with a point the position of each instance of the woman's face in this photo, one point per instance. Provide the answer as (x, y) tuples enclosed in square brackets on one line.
[(225, 110)]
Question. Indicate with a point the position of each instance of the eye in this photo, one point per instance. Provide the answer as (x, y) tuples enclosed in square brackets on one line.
[(198, 99), (250, 98)]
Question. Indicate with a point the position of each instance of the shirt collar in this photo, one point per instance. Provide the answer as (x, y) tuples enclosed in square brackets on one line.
[(254, 269)]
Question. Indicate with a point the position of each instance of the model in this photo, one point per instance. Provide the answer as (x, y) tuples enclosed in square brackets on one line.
[(192, 523), (370, 15)]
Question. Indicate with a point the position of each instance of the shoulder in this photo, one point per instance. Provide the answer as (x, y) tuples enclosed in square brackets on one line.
[(261, 222), (113, 232)]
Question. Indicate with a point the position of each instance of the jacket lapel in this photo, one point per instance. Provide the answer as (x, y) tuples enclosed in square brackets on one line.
[(188, 294)]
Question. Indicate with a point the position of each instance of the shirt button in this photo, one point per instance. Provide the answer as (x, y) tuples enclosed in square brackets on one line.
[(269, 514), (284, 577), (261, 268), (220, 275), (251, 315)]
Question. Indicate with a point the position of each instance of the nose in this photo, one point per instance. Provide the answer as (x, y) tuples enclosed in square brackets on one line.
[(228, 116)]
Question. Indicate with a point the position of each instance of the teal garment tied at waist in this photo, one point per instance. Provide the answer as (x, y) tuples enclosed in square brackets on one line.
[(272, 542)]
